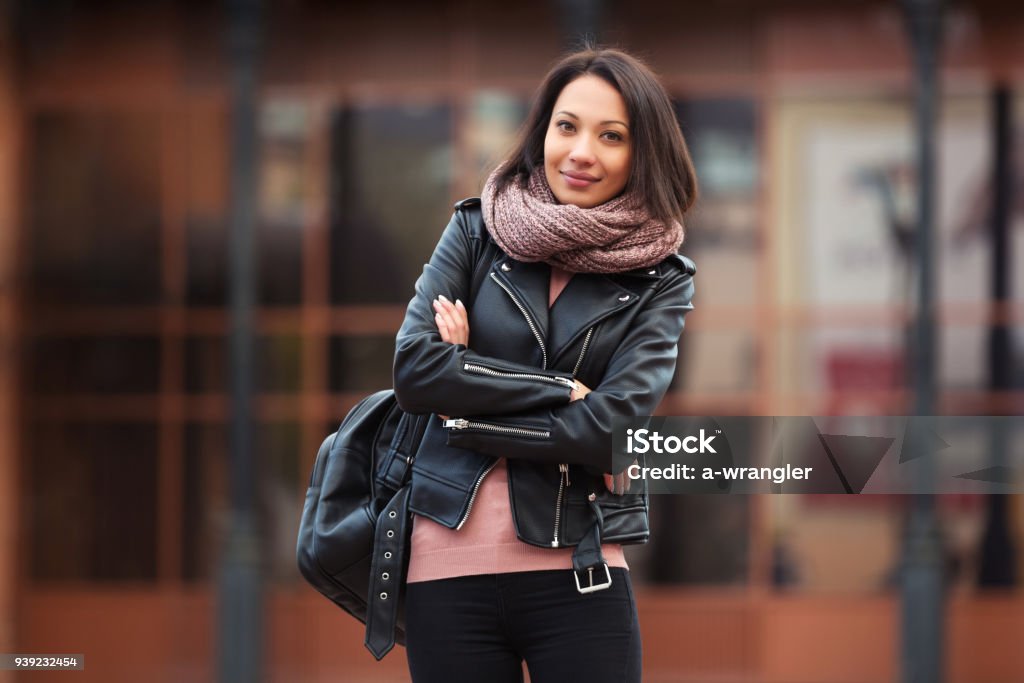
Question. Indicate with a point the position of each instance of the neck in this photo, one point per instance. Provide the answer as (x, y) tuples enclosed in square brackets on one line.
[(559, 279)]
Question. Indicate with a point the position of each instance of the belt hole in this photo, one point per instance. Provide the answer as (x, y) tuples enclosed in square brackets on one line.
[(392, 514), (387, 555), (383, 596), (385, 576), (391, 534)]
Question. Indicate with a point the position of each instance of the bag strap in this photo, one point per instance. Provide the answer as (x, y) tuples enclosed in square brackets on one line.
[(391, 540), (387, 574)]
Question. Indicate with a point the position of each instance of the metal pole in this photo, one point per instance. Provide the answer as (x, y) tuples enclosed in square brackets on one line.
[(240, 607), (1000, 358), (922, 580), (997, 566)]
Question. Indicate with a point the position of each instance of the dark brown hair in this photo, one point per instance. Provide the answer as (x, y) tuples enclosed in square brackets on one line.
[(661, 171)]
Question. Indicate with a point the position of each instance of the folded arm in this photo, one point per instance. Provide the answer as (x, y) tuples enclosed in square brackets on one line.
[(637, 378)]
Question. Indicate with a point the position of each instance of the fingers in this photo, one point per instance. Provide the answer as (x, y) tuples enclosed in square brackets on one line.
[(613, 482), (579, 392), (462, 319), (442, 326), (452, 320), (617, 483), (445, 321)]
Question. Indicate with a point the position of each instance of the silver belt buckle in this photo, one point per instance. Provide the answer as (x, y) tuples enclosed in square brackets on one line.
[(590, 575)]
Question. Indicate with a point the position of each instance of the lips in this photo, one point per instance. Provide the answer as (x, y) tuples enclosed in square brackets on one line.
[(577, 179)]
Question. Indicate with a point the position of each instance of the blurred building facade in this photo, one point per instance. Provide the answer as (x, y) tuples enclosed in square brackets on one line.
[(374, 119)]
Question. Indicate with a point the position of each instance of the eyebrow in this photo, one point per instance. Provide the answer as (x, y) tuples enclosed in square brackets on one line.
[(602, 123)]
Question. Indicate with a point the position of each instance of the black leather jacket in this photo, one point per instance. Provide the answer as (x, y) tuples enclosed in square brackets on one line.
[(508, 395)]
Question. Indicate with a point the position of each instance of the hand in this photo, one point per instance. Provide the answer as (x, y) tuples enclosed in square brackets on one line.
[(452, 320), (579, 392), (618, 483)]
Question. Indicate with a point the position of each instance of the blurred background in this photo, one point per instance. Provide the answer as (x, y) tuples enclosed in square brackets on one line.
[(120, 130)]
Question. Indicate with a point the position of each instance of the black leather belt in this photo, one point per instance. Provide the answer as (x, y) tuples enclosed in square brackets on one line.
[(587, 557)]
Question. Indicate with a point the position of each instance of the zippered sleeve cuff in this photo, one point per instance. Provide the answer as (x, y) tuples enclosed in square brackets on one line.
[(457, 381), (486, 433)]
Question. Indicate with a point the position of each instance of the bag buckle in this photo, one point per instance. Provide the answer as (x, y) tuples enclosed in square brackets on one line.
[(591, 588)]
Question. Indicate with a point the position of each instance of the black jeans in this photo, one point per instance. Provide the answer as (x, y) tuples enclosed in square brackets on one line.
[(475, 629)]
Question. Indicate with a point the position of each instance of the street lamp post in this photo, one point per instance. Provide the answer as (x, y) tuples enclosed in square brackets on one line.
[(240, 596), (921, 576)]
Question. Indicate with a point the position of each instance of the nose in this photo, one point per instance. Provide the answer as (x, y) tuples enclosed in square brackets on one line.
[(582, 151)]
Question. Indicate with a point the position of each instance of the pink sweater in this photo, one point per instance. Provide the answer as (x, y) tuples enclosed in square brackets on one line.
[(487, 542)]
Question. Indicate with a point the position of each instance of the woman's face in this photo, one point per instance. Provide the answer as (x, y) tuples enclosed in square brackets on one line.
[(587, 147)]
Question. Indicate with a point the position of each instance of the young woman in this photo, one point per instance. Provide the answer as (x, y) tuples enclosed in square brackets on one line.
[(551, 306)]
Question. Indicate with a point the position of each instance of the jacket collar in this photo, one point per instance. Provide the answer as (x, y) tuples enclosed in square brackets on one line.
[(587, 299)]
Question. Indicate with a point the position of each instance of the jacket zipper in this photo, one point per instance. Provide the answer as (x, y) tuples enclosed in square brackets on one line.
[(472, 497), (518, 431), (529, 320), (562, 483), (583, 351), (459, 423), (482, 370), (564, 467)]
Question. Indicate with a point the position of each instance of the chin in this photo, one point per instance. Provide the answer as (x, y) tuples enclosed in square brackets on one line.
[(570, 195), (578, 199)]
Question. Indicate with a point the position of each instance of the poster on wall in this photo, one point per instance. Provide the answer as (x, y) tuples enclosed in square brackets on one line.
[(849, 220)]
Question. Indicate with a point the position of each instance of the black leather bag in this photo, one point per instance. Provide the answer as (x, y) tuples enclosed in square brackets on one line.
[(357, 501), (361, 474)]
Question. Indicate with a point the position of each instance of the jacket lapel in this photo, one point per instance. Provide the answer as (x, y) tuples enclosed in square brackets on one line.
[(528, 284), (585, 301)]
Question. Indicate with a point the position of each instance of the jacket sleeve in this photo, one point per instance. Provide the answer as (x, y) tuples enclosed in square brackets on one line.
[(580, 432), (430, 375)]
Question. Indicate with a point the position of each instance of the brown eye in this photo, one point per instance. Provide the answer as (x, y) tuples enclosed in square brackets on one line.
[(565, 126)]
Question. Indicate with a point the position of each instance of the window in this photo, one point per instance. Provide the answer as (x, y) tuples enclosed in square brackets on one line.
[(391, 169)]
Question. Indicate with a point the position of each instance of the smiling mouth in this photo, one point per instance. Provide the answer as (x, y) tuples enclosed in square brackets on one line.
[(579, 180)]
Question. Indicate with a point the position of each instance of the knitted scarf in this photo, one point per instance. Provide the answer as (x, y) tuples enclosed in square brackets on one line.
[(530, 225)]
